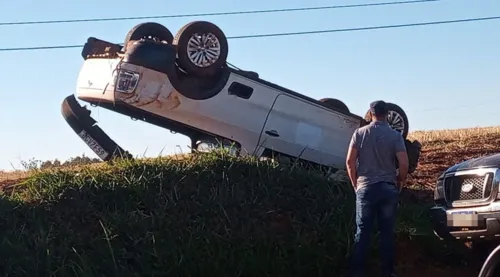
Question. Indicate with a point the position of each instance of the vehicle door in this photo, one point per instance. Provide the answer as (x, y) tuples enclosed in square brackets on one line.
[(337, 129), (303, 129)]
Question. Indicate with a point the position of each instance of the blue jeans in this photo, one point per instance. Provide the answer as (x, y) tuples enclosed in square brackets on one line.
[(375, 200)]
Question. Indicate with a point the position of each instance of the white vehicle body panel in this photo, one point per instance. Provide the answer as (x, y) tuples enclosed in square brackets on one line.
[(305, 129), (94, 79), (309, 131)]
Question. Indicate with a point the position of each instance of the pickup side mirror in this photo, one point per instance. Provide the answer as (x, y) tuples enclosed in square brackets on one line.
[(491, 267), (413, 149)]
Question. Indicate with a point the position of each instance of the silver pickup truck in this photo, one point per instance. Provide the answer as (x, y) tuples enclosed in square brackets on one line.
[(467, 200)]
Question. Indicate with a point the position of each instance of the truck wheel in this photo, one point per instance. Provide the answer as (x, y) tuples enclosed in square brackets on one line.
[(148, 30), (491, 266), (335, 104), (397, 119), (202, 48)]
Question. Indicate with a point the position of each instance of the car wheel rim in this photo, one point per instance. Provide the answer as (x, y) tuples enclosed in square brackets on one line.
[(396, 121), (203, 49)]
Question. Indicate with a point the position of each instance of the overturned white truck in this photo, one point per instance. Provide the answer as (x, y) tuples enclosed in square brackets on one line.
[(184, 84)]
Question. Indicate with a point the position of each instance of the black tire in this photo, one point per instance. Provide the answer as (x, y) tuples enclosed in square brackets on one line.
[(182, 40), (148, 30), (153, 55), (335, 104), (393, 108), (491, 267), (199, 88)]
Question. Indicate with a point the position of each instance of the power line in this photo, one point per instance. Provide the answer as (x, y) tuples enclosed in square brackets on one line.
[(216, 13), (368, 28), (289, 34)]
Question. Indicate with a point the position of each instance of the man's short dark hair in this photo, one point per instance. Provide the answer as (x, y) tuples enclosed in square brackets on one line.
[(379, 108)]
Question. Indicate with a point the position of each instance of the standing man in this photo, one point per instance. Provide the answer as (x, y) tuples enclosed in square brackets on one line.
[(371, 166)]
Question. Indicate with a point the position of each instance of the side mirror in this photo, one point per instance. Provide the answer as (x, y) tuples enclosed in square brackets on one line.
[(491, 266), (413, 149)]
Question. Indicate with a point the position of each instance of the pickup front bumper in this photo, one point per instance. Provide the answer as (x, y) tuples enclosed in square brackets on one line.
[(85, 127), (487, 227)]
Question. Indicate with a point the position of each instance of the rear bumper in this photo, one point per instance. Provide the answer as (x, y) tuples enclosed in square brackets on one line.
[(95, 80), (85, 127), (488, 226)]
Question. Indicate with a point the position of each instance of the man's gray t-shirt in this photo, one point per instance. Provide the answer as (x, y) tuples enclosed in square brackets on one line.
[(377, 144)]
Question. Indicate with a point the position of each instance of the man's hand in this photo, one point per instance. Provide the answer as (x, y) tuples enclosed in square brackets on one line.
[(400, 185), (403, 168), (401, 181), (351, 160), (352, 156)]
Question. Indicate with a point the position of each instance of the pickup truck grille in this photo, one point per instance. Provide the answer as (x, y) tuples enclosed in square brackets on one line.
[(468, 187)]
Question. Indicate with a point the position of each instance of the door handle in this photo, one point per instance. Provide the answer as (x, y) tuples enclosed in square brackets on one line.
[(272, 133)]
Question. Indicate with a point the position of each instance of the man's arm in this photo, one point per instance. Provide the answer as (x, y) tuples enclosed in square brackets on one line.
[(352, 157), (402, 157)]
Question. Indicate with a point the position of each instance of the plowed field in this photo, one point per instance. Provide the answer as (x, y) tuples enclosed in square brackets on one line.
[(442, 149)]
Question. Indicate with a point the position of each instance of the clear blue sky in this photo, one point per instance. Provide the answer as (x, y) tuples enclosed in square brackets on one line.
[(444, 76)]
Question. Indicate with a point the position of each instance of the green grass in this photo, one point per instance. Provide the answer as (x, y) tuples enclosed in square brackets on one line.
[(207, 215)]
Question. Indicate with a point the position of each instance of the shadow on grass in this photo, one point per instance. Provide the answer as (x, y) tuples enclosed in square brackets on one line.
[(208, 217)]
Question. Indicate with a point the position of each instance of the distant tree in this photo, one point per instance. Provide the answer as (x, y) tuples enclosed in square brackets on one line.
[(34, 164), (80, 160)]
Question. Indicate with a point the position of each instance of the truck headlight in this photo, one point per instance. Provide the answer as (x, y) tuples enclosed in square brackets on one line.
[(125, 81), (439, 190)]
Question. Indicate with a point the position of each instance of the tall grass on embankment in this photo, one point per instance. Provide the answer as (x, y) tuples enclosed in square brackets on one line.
[(207, 215)]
